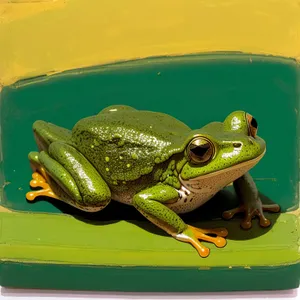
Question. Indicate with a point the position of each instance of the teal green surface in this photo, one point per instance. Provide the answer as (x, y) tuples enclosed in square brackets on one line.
[(136, 279), (195, 89)]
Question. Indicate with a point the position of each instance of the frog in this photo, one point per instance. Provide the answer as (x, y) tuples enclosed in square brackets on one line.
[(155, 163)]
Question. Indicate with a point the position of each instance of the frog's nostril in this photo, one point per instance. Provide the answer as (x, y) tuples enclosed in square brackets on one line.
[(237, 145)]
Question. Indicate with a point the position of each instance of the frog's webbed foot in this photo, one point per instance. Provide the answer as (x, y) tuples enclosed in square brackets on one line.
[(251, 212), (192, 235), (251, 204), (39, 181)]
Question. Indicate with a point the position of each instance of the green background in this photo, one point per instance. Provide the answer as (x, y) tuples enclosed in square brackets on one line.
[(194, 89)]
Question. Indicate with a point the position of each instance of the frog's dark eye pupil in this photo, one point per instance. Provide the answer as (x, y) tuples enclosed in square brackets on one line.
[(200, 150), (254, 123)]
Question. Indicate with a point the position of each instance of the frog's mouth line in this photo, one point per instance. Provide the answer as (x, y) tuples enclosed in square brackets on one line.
[(249, 163)]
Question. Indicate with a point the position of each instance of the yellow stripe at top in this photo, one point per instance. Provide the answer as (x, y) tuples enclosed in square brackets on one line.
[(41, 37)]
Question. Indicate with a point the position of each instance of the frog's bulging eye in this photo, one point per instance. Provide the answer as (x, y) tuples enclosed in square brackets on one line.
[(252, 125), (200, 150)]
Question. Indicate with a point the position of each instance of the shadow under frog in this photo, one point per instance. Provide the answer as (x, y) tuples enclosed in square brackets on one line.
[(209, 214), (156, 164)]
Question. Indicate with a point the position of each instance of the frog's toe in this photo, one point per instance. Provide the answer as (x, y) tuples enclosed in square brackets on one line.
[(229, 214), (39, 181), (271, 208), (192, 235), (222, 232), (263, 221), (218, 238), (188, 237), (251, 213)]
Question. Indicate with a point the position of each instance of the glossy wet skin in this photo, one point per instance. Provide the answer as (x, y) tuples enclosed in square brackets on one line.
[(151, 161)]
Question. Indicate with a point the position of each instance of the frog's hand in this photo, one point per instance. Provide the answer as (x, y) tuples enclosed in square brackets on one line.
[(70, 177), (250, 203), (46, 133), (150, 203)]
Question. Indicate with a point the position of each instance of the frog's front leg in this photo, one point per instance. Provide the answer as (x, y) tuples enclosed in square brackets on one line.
[(251, 204), (65, 174), (151, 203)]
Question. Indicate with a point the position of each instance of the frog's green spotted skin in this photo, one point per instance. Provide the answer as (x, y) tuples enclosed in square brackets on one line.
[(152, 161)]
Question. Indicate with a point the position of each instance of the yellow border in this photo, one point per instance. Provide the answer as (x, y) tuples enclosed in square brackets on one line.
[(40, 37)]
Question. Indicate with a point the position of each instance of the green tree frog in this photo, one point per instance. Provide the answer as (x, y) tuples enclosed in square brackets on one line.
[(155, 163)]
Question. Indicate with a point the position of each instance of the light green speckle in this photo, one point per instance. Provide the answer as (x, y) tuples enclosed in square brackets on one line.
[(92, 146), (96, 142), (121, 143), (107, 169), (121, 157), (107, 159), (115, 182), (134, 156), (117, 136), (128, 165), (124, 182)]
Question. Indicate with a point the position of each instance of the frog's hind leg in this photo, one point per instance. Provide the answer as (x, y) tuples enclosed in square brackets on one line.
[(46, 133), (65, 174), (41, 179)]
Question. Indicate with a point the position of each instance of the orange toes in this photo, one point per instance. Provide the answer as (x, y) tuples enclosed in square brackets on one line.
[(39, 181), (192, 235)]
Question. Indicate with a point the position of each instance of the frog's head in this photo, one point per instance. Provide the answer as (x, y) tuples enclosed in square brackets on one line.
[(223, 151)]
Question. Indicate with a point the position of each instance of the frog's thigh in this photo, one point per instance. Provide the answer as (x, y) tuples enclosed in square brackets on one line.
[(92, 187), (53, 178), (72, 178), (46, 133)]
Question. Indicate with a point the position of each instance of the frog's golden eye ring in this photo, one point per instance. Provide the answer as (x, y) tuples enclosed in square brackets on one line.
[(252, 125), (200, 150)]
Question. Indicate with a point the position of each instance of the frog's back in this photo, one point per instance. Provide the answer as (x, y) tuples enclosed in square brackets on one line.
[(125, 144)]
